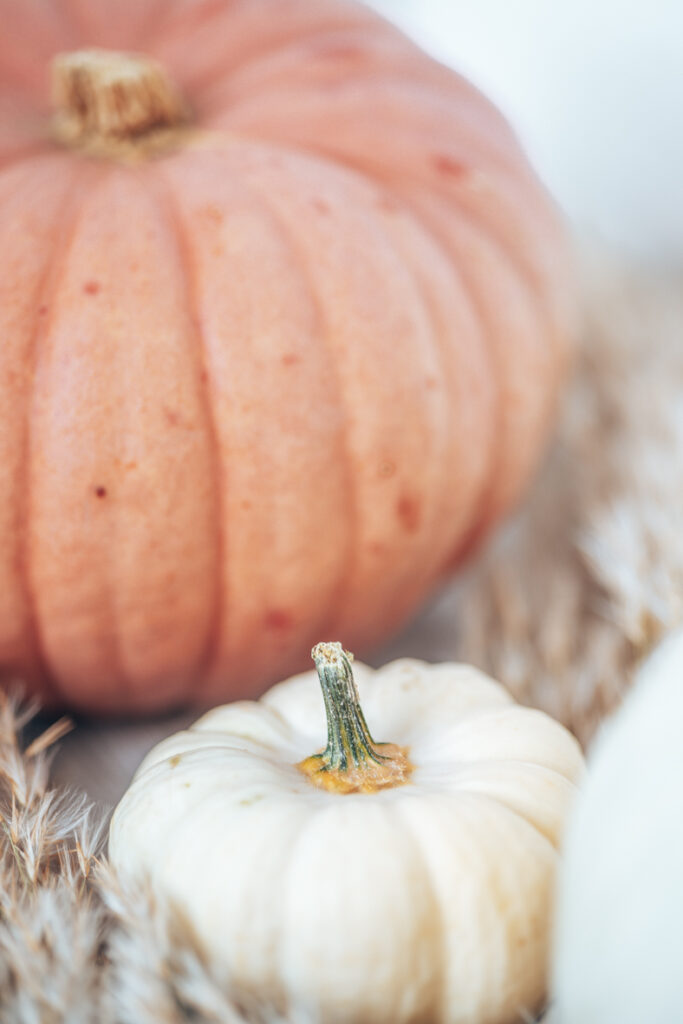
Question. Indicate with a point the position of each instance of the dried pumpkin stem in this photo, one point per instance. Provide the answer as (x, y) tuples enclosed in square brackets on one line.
[(352, 761), (107, 102)]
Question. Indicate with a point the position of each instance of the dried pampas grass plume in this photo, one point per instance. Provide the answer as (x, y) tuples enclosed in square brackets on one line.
[(75, 945), (571, 596), (52, 924)]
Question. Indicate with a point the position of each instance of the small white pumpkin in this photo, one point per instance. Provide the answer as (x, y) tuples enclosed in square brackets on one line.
[(619, 941), (372, 882)]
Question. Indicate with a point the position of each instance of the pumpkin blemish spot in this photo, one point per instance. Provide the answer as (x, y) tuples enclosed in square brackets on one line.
[(42, 310), (386, 468), (174, 761), (213, 213), (172, 417), (91, 287), (290, 359), (249, 800), (100, 492), (387, 203), (449, 166), (278, 618), (408, 512)]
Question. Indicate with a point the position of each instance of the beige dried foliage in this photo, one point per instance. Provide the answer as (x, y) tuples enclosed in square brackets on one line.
[(51, 922), (574, 592), (75, 945)]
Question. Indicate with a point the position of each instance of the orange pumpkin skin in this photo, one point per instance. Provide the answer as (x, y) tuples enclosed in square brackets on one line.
[(268, 386)]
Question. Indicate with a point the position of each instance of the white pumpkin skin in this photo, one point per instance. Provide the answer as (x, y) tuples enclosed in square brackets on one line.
[(426, 901), (618, 955)]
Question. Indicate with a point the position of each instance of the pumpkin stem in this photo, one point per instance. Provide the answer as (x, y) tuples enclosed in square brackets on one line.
[(352, 761), (105, 101)]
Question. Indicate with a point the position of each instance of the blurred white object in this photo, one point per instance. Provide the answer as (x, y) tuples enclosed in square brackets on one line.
[(619, 939), (595, 90)]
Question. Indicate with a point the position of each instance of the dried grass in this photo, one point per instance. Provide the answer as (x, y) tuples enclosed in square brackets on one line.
[(75, 945), (568, 599)]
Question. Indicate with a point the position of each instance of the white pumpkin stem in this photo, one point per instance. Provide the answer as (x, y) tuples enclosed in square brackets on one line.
[(352, 761), (104, 99)]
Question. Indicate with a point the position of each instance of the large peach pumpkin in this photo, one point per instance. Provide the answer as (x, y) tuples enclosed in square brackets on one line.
[(276, 348)]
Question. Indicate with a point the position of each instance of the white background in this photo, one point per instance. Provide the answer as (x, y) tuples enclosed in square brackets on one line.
[(594, 89)]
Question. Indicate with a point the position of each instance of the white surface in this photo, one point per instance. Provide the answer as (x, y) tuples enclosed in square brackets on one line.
[(595, 90), (620, 908)]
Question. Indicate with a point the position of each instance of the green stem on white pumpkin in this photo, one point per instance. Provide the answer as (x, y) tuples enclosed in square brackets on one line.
[(108, 103), (352, 761)]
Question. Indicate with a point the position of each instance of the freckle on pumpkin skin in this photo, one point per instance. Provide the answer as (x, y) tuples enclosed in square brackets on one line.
[(449, 166), (277, 618), (213, 213), (388, 204), (409, 512), (172, 417), (249, 800), (386, 468)]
